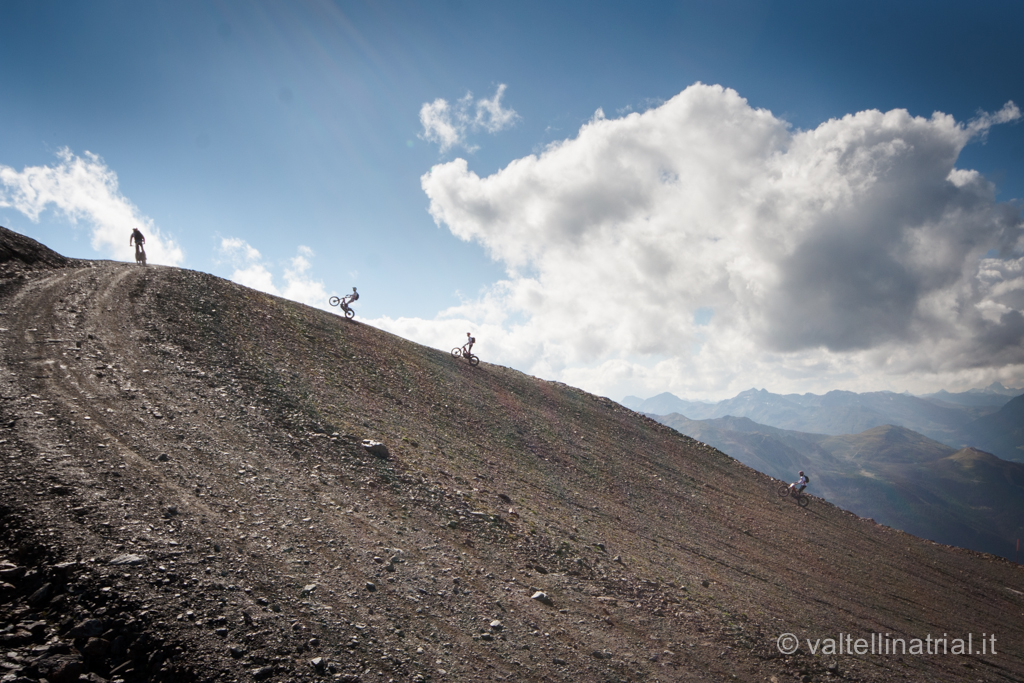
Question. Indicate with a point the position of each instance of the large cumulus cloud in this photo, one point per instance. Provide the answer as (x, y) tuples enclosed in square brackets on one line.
[(704, 246), (85, 188)]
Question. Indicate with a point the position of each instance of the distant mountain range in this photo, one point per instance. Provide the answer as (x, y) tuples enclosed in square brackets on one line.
[(989, 419), (898, 477)]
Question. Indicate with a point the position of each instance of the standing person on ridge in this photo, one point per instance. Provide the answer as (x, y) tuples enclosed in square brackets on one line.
[(467, 349)]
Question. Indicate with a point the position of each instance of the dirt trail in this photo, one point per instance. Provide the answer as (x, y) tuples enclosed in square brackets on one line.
[(183, 466)]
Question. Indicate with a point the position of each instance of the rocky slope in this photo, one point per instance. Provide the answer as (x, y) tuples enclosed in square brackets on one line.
[(187, 497), (896, 476)]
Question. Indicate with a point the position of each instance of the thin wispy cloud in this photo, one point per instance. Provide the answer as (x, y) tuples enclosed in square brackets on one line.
[(448, 125), (252, 270), (707, 246), (84, 188)]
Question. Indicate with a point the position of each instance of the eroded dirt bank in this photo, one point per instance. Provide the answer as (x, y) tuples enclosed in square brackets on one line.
[(186, 497)]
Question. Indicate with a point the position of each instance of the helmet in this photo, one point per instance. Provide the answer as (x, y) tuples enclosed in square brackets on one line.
[(353, 289), (801, 473)]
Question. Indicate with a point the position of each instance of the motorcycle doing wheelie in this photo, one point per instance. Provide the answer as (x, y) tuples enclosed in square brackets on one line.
[(343, 302)]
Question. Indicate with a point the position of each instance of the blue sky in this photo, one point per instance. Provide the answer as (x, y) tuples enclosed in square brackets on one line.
[(294, 129)]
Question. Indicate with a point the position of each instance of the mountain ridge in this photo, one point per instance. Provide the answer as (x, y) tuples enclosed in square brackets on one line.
[(985, 419)]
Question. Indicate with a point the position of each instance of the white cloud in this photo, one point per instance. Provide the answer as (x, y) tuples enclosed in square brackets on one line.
[(448, 125), (251, 270), (84, 188), (704, 246)]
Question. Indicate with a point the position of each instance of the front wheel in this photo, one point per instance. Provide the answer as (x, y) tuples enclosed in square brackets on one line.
[(456, 352), (335, 301), (783, 490), (473, 360)]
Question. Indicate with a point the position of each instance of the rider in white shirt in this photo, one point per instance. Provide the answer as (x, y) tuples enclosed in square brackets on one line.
[(467, 349)]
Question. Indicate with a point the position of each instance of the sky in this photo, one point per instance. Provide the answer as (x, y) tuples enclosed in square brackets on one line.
[(626, 197)]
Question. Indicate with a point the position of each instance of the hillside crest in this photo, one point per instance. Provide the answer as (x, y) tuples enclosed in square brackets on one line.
[(194, 502)]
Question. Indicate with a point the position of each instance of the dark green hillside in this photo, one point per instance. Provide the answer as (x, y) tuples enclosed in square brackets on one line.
[(1001, 432)]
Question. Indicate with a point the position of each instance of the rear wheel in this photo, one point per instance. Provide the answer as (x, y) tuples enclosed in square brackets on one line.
[(349, 313), (456, 352), (473, 360), (803, 500)]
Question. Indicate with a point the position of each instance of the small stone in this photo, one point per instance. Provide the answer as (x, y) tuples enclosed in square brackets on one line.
[(60, 668), (371, 586), (96, 647), (376, 448), (163, 457), (319, 663), (9, 572), (41, 596), (128, 560), (542, 597), (705, 583), (497, 625), (263, 673), (308, 589), (88, 628)]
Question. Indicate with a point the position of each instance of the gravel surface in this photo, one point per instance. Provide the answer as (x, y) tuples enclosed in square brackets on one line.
[(192, 492)]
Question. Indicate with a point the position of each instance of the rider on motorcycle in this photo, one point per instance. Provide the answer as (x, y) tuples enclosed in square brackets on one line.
[(351, 298), (467, 348), (139, 240), (801, 482)]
